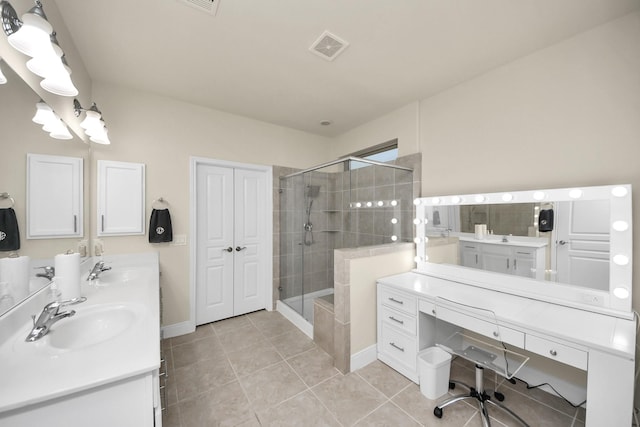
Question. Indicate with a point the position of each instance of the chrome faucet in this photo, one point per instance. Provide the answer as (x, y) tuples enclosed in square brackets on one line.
[(49, 272), (50, 315), (96, 270)]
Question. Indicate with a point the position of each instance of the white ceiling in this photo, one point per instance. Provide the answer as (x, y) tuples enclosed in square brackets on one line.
[(252, 57)]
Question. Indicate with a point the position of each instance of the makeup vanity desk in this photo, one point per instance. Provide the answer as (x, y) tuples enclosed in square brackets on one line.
[(601, 345)]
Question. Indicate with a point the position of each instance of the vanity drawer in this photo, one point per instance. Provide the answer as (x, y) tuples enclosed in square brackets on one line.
[(556, 351), (482, 327), (399, 301), (399, 346), (399, 320)]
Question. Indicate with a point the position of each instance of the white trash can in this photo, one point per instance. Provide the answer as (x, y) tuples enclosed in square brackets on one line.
[(434, 367)]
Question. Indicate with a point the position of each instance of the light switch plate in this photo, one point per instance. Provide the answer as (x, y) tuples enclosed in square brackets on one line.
[(179, 240)]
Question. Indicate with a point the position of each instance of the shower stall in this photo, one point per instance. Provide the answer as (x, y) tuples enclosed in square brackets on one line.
[(351, 202)]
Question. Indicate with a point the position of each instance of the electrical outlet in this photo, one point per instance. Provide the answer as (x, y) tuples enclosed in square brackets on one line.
[(179, 240)]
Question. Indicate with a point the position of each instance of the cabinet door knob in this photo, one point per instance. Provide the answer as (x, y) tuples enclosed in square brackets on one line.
[(553, 352), (229, 249), (238, 248), (496, 334)]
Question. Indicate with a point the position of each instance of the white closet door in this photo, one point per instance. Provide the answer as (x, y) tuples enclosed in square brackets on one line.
[(250, 229), (214, 282)]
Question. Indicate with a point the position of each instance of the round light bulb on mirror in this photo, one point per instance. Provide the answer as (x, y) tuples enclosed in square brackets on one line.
[(380, 203), (621, 259), (435, 200), (394, 238), (456, 199), (417, 221), (417, 240), (394, 203), (539, 195), (417, 259), (369, 204), (576, 193), (621, 292), (507, 197), (620, 225), (619, 191), (358, 205), (394, 220), (480, 198), (417, 202)]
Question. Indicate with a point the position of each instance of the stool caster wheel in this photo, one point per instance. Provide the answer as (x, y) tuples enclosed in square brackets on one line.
[(452, 385), (437, 412), (498, 396)]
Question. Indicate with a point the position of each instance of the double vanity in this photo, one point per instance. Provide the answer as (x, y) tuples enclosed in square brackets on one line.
[(99, 366)]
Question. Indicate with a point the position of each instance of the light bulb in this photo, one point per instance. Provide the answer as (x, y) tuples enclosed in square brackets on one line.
[(621, 259), (619, 191), (417, 221), (417, 259), (380, 203), (358, 205), (621, 292), (58, 81), (394, 220), (369, 204), (575, 193), (394, 203), (480, 198), (456, 199), (435, 200), (507, 197), (394, 238), (417, 240), (417, 202), (620, 225), (539, 195)]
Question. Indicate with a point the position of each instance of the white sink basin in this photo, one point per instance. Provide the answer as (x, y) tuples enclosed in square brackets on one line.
[(121, 276), (92, 326)]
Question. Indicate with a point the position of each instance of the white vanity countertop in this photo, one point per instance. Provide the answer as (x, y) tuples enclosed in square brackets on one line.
[(494, 239), (35, 372), (567, 324)]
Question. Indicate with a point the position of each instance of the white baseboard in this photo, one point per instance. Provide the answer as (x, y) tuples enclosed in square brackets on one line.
[(295, 318), (364, 357), (178, 329)]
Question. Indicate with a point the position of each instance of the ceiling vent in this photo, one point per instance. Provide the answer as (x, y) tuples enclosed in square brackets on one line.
[(328, 46), (208, 6)]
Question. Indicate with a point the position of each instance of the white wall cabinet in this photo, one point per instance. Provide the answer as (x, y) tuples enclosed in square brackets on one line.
[(121, 189), (54, 196)]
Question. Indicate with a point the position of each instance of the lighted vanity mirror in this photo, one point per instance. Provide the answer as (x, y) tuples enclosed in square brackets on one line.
[(572, 246), (21, 136)]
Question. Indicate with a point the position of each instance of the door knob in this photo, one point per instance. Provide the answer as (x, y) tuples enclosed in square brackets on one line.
[(238, 248), (229, 249), (564, 242)]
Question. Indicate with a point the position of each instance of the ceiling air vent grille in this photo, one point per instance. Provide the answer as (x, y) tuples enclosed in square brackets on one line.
[(328, 46), (209, 6)]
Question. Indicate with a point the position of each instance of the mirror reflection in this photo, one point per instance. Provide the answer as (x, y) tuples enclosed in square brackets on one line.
[(557, 241), (24, 271)]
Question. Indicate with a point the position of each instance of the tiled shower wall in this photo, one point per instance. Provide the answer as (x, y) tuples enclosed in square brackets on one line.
[(336, 222)]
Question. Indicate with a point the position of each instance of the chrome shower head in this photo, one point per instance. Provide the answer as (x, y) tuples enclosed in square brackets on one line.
[(312, 191)]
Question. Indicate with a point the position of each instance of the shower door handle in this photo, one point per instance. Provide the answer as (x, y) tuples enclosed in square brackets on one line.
[(229, 249)]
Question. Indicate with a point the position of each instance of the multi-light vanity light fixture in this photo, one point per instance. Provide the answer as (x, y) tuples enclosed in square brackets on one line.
[(33, 35), (93, 124)]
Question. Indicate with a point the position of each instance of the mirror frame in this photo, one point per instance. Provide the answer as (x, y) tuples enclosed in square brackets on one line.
[(617, 302)]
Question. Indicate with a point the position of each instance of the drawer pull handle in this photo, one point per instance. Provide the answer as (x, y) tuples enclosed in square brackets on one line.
[(396, 301), (433, 311), (553, 352), (396, 320), (397, 347), (496, 334)]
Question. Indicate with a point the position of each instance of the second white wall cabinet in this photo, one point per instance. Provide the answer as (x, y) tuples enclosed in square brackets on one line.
[(120, 198)]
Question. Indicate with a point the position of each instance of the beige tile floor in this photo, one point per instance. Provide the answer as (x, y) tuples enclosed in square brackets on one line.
[(260, 370)]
